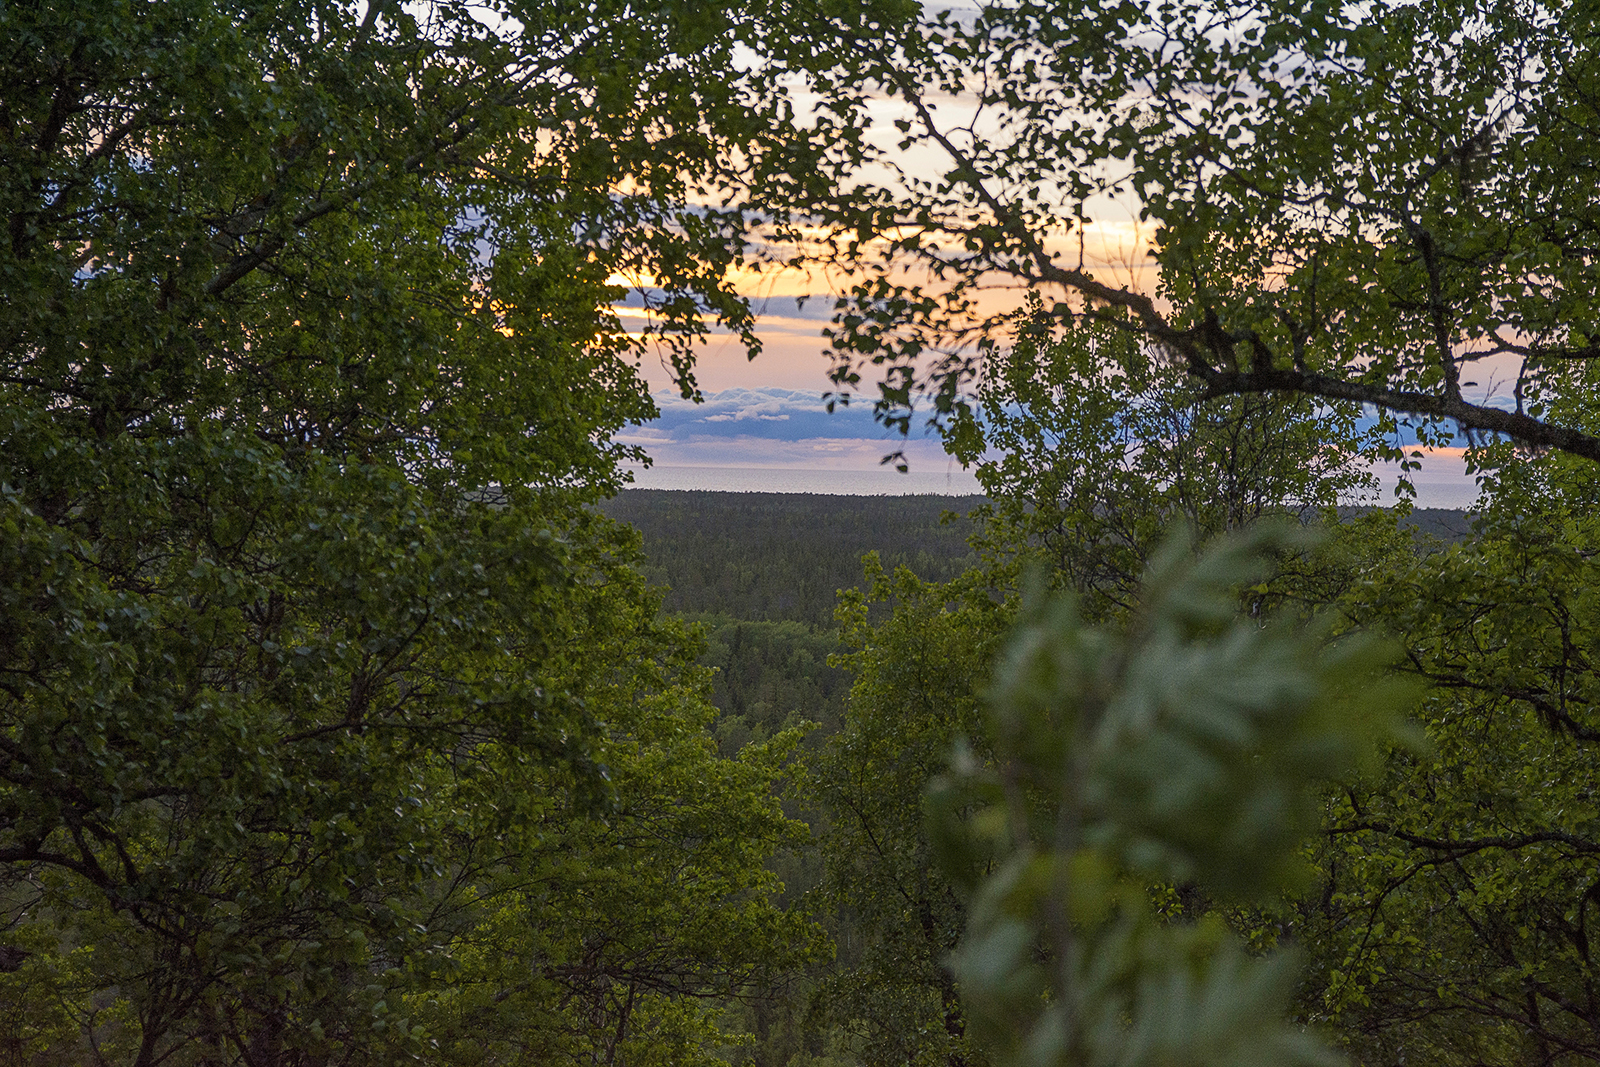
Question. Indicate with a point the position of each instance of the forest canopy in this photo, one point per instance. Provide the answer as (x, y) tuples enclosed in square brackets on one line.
[(339, 725), (1384, 204)]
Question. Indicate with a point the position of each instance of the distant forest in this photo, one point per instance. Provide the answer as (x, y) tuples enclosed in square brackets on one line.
[(776, 557), (783, 557), (762, 572)]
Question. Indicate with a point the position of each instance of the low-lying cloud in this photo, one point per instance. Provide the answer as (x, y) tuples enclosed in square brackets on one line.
[(773, 414), (774, 428)]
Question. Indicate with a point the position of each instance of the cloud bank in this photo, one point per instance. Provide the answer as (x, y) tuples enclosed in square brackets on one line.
[(774, 428), (777, 429)]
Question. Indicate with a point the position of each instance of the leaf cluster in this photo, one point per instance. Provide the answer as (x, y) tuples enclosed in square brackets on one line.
[(1179, 751)]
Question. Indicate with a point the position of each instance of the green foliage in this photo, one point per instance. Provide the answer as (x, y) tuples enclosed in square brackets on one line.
[(1356, 202), (1092, 451), (1452, 920), (1180, 750), (442, 876), (769, 564), (621, 934), (309, 379), (917, 675)]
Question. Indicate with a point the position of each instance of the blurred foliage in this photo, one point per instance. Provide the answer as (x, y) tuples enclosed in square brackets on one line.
[(1180, 748)]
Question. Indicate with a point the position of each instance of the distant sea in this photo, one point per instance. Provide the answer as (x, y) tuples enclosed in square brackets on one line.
[(884, 481), (1441, 483)]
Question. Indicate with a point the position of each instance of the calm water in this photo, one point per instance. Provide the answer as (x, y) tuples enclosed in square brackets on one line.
[(1442, 483)]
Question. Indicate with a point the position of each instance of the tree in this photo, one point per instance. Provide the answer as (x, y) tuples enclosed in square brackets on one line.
[(1382, 204), (623, 936), (917, 678), (1091, 453), (308, 374), (508, 912), (1179, 748), (1452, 918)]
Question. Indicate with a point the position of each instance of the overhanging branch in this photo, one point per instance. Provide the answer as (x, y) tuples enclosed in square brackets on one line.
[(1468, 416)]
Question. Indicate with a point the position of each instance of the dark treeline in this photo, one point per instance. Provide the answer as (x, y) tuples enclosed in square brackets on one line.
[(784, 556), (762, 573), (1446, 524)]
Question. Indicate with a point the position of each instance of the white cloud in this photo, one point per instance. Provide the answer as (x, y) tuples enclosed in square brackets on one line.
[(779, 414), (770, 411), (782, 429)]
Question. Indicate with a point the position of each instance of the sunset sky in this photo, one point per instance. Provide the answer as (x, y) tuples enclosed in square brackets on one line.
[(769, 414)]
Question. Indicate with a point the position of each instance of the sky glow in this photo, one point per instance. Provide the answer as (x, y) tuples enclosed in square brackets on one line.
[(770, 413)]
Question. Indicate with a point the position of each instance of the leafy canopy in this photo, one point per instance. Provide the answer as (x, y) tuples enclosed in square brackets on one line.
[(1390, 204), (308, 373)]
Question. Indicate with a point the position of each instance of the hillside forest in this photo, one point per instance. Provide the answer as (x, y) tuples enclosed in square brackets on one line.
[(352, 712)]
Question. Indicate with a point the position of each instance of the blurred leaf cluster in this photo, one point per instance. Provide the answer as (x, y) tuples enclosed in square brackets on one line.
[(1180, 749)]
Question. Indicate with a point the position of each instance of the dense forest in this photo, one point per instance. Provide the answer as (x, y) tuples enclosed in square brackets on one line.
[(762, 575), (775, 557), (346, 718)]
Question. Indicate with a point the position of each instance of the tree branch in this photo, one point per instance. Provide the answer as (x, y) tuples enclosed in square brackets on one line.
[(1519, 427)]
